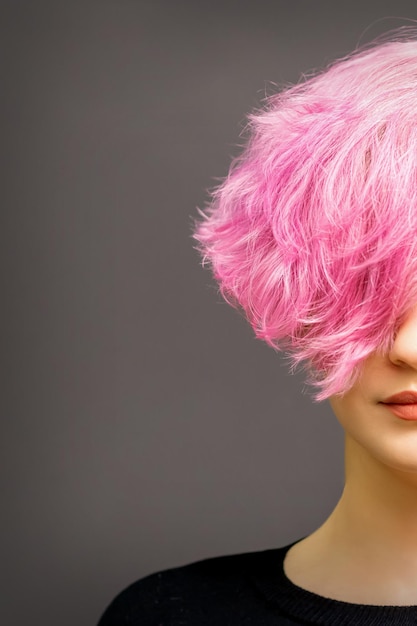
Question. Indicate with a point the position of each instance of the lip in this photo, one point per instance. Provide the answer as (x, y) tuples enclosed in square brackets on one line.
[(403, 405)]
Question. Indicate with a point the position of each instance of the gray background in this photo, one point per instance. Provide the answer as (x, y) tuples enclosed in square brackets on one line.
[(143, 426)]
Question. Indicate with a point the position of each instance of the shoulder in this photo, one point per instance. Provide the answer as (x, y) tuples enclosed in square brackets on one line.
[(197, 593)]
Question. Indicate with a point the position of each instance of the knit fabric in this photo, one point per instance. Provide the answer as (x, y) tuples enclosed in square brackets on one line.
[(249, 589)]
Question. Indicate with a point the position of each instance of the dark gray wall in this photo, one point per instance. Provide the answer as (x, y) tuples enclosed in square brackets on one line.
[(142, 424)]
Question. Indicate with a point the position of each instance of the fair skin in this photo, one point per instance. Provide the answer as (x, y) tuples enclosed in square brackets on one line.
[(366, 551)]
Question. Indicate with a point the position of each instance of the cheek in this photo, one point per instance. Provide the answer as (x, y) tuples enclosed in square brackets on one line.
[(354, 410), (344, 409), (355, 416)]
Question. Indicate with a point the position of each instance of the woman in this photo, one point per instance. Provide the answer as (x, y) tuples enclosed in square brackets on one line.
[(314, 235)]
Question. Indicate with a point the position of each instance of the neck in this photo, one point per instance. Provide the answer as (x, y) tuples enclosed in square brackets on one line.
[(366, 551), (378, 506)]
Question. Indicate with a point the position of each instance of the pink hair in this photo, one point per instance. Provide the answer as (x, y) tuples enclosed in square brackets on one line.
[(314, 231)]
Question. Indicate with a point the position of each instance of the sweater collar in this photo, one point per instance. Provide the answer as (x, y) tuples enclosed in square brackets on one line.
[(310, 608)]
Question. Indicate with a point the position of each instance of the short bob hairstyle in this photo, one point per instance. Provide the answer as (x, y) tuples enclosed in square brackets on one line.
[(313, 233)]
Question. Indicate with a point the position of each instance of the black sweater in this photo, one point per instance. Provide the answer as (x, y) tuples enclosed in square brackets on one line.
[(249, 589)]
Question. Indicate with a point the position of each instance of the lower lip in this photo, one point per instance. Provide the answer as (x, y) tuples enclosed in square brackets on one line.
[(404, 411)]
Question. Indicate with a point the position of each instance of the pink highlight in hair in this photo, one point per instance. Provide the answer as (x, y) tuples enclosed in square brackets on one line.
[(314, 231)]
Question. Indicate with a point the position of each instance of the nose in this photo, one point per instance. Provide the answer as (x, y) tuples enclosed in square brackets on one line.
[(404, 348)]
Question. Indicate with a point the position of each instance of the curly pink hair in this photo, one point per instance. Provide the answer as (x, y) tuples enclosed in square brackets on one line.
[(314, 231)]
